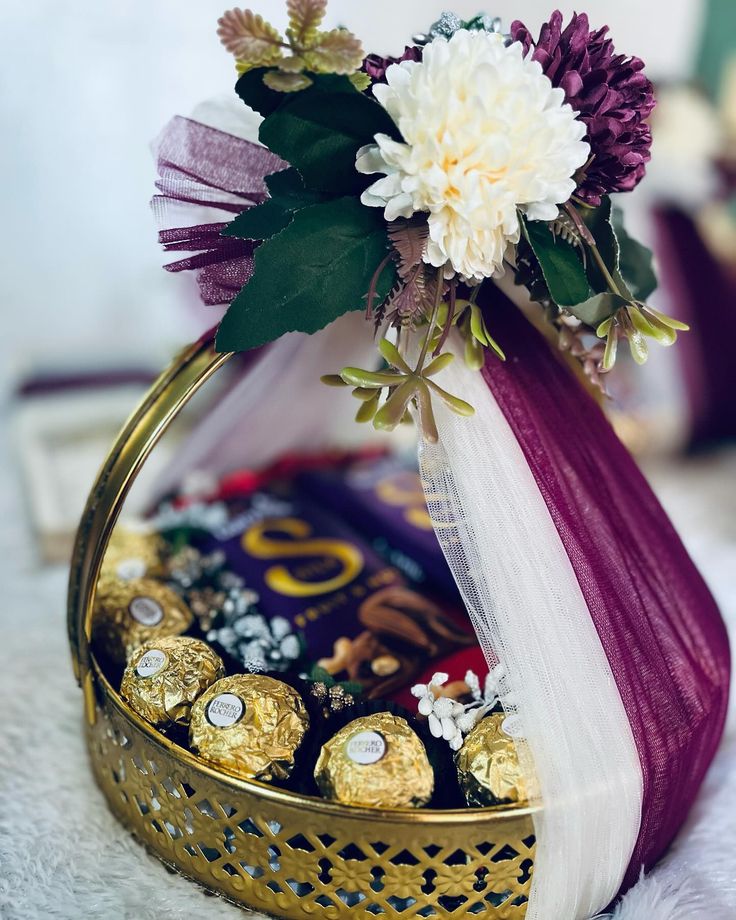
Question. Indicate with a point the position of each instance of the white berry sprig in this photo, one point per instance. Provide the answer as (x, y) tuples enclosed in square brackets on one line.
[(448, 718)]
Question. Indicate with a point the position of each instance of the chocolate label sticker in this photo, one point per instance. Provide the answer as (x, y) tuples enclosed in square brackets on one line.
[(146, 611), (366, 747), (512, 726), (129, 569), (225, 710), (151, 663)]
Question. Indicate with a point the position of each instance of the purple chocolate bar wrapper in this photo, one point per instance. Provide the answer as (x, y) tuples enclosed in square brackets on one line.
[(303, 563), (385, 503)]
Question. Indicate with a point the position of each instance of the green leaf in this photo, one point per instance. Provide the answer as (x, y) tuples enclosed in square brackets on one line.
[(628, 261), (652, 327), (439, 364), (321, 674), (320, 130), (254, 92), (392, 411), (391, 355), (609, 354), (454, 402), (288, 195), (598, 308), (368, 408), (333, 380), (474, 354), (636, 262), (358, 377), (364, 393), (598, 221), (427, 423), (315, 270), (638, 347), (560, 263)]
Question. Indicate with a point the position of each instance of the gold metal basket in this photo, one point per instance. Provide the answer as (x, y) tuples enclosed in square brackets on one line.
[(288, 855)]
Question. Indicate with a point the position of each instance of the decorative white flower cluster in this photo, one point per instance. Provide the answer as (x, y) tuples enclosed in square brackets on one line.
[(486, 136), (208, 516), (259, 644), (450, 719)]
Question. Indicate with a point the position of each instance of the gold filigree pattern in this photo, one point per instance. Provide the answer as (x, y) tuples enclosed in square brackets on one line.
[(299, 857), (288, 855)]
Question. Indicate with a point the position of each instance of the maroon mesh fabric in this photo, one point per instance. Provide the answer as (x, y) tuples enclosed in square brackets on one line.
[(201, 167), (703, 293), (659, 625)]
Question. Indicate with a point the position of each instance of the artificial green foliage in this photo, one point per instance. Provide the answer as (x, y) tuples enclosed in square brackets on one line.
[(595, 309), (405, 387), (322, 676), (628, 261), (288, 195), (323, 253), (254, 92), (603, 268), (561, 265), (635, 260), (309, 274), (291, 59), (319, 131), (599, 271)]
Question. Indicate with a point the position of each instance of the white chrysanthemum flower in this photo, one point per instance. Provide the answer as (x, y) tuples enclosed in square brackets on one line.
[(486, 135)]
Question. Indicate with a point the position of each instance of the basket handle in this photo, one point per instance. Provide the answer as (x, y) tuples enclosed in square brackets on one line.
[(189, 371)]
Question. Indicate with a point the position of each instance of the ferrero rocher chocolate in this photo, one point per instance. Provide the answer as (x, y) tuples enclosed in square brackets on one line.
[(488, 767), (129, 613), (378, 761), (249, 725), (134, 554), (165, 676)]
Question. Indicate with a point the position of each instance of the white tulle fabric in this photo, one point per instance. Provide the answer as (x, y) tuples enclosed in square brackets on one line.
[(529, 614), (279, 405), (517, 583)]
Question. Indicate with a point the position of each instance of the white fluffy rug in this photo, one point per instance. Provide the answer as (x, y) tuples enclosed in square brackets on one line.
[(63, 856)]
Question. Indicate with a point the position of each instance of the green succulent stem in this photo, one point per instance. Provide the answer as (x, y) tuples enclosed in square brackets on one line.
[(432, 322), (474, 294), (600, 262)]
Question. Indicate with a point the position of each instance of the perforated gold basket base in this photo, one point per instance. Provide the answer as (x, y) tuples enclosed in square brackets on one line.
[(294, 856)]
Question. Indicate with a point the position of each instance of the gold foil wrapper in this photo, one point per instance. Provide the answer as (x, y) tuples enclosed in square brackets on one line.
[(249, 725), (164, 677), (378, 761), (129, 613), (488, 766), (134, 554)]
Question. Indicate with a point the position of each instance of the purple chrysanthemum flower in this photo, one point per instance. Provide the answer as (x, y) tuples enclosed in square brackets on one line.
[(611, 93), (376, 66)]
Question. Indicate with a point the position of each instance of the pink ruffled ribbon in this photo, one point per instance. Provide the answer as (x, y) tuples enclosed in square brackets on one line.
[(203, 170)]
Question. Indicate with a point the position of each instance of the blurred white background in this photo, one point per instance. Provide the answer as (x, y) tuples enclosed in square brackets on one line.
[(85, 87)]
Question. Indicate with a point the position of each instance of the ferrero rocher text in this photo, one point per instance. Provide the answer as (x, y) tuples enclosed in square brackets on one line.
[(378, 761), (129, 613), (488, 766), (249, 725), (165, 676)]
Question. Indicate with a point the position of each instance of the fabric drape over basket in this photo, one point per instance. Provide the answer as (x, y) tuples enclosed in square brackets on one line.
[(621, 723), (615, 656)]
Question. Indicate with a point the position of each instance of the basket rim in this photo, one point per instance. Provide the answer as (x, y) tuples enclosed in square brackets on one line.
[(434, 816)]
